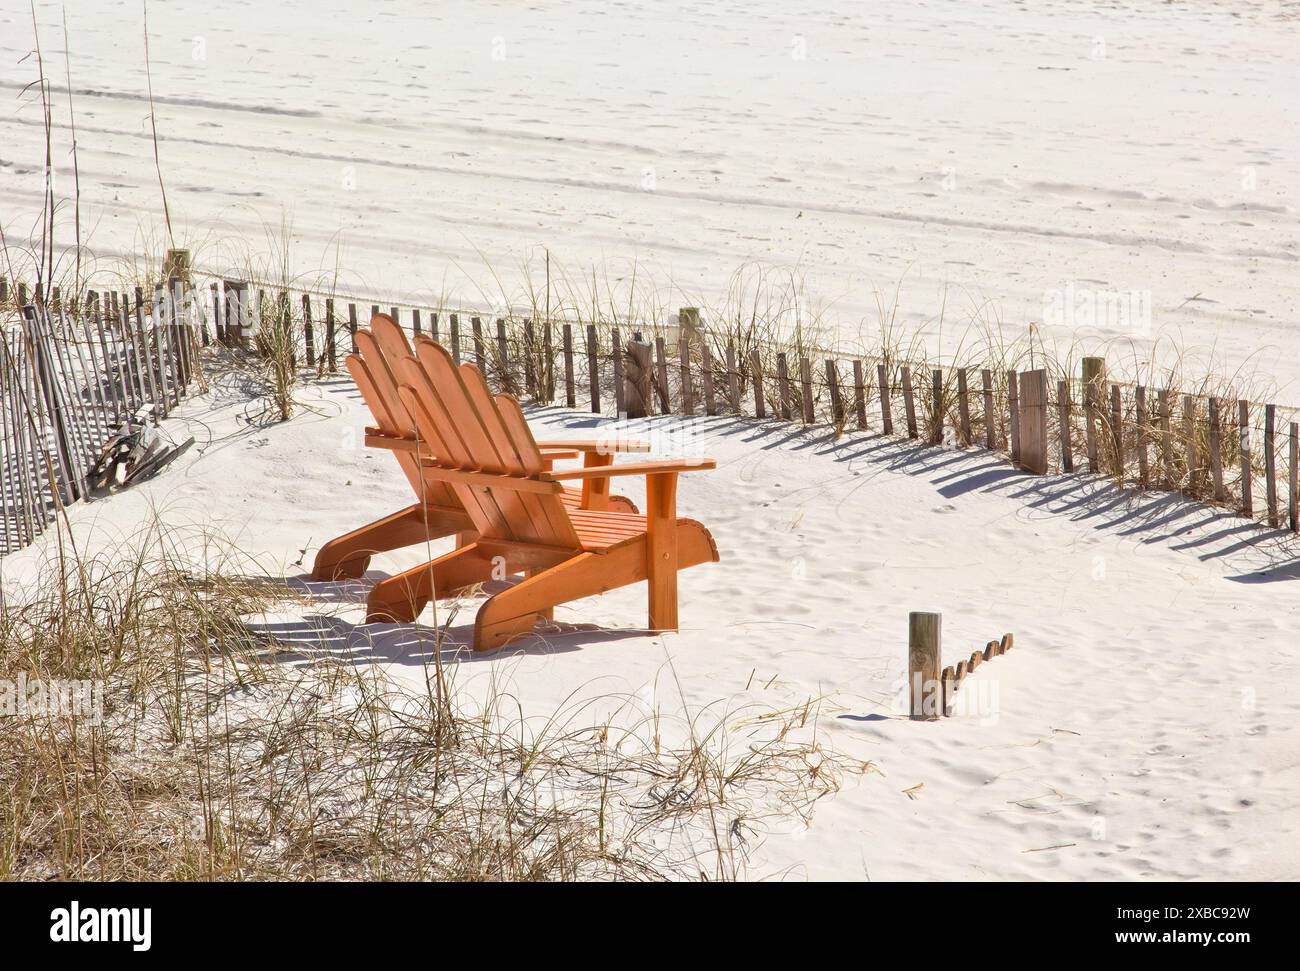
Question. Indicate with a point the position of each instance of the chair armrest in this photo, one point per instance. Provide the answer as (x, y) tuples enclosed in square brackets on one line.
[(597, 445), (401, 443), (632, 468), (395, 443)]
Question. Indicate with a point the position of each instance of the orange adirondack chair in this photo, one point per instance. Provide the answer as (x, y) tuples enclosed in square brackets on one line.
[(438, 511), (482, 449)]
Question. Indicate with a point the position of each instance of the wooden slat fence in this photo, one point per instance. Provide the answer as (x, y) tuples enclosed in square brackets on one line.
[(71, 374), (1241, 455)]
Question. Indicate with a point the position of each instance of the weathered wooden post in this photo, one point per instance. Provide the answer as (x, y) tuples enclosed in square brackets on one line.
[(177, 265), (308, 330), (1247, 476), (570, 390), (593, 366), (616, 355), (924, 665), (1033, 421), (688, 320), (1094, 388), (636, 377), (1063, 417)]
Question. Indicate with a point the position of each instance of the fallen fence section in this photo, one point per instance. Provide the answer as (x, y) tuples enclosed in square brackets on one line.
[(73, 377)]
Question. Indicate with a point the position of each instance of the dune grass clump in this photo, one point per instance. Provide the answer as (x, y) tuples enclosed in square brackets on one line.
[(222, 753)]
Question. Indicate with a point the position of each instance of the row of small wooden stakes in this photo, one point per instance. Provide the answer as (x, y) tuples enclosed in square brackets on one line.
[(953, 676)]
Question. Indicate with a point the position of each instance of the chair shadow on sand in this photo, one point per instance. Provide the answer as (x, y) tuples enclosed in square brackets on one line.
[(323, 636)]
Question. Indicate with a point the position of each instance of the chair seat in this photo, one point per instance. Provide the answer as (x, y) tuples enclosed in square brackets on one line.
[(572, 499), (601, 530)]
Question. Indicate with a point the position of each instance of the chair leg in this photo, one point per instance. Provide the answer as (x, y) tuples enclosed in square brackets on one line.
[(401, 598), (549, 612), (513, 612), (661, 549), (595, 492), (348, 556)]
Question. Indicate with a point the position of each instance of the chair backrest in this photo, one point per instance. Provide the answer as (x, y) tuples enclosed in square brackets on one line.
[(373, 370), (469, 430)]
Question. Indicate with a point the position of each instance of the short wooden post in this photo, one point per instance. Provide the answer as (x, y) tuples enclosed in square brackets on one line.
[(859, 394), (1090, 425), (733, 378), (990, 415), (455, 338), (530, 359), (1033, 421), (1216, 452), (1293, 478), (886, 418), (331, 359), (570, 392), (352, 325), (837, 401), (218, 318), (616, 356), (636, 378), (963, 407), (936, 407), (756, 377), (1013, 407), (480, 350), (1094, 391), (783, 386), (1270, 463), (415, 322), (661, 377), (924, 665), (593, 367), (688, 319), (1189, 436), (1166, 439), (1063, 419), (546, 376), (805, 384), (1117, 431), (308, 332), (1094, 373), (706, 378), (1247, 489), (1140, 439), (433, 328), (503, 358), (684, 369), (909, 401)]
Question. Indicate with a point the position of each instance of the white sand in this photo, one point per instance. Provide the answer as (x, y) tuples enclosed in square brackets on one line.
[(1000, 150), (1146, 716)]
